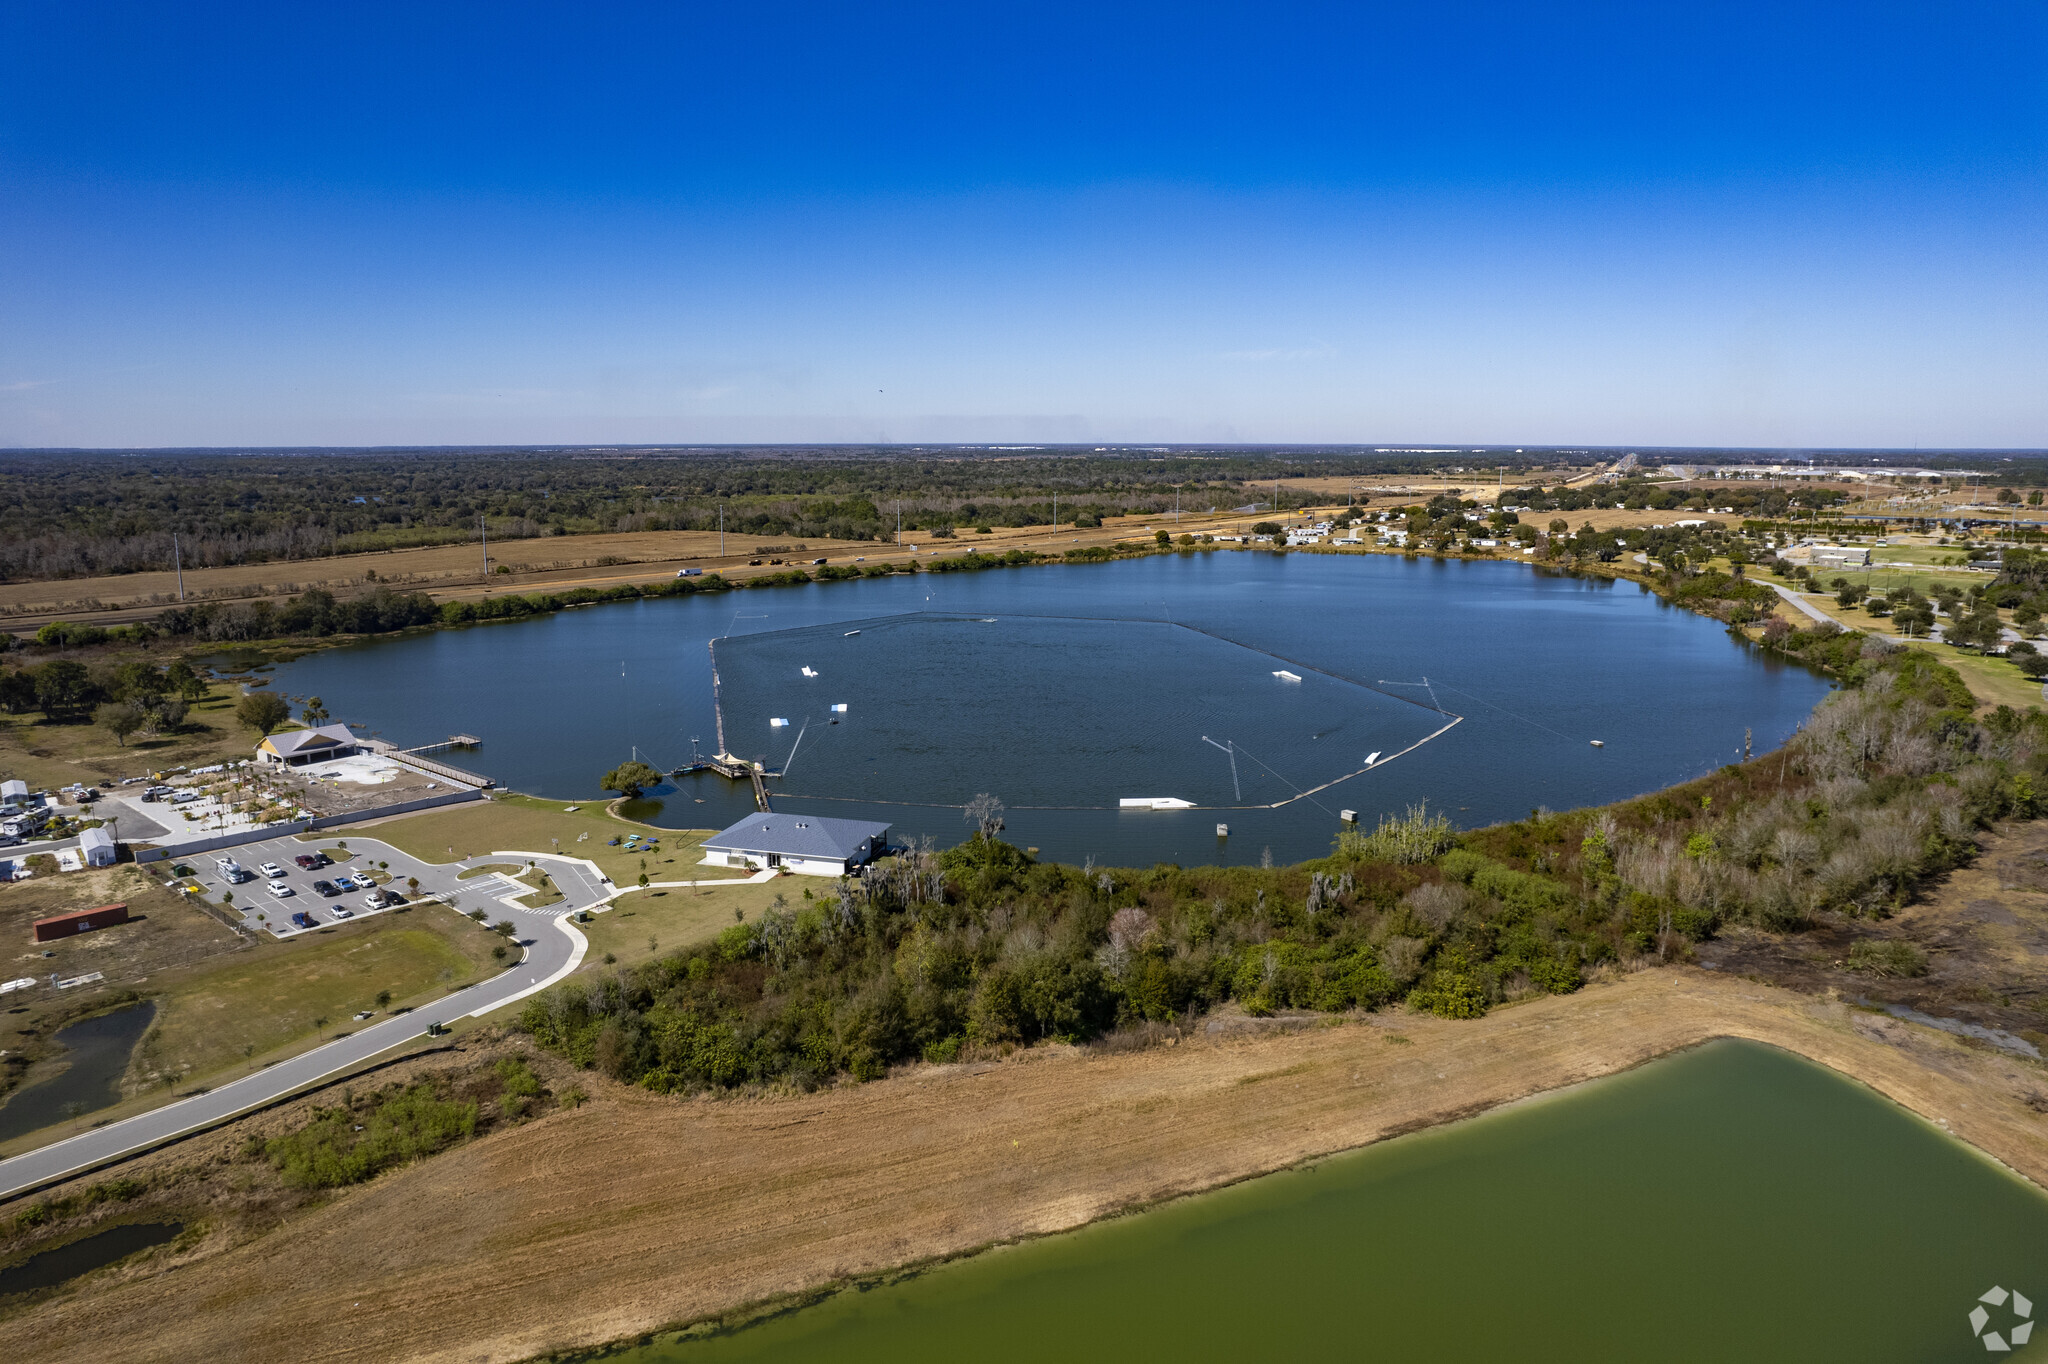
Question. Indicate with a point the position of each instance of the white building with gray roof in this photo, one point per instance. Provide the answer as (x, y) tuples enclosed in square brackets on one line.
[(810, 844)]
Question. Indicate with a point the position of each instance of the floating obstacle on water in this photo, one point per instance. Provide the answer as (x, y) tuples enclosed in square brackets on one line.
[(1372, 757), (779, 722), (1286, 676), (1154, 803), (839, 708)]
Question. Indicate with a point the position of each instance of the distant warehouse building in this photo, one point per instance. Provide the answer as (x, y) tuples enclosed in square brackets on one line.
[(803, 843), (1829, 556), (80, 921)]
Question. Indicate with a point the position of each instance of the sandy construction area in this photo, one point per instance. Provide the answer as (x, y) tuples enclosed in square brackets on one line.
[(637, 1211)]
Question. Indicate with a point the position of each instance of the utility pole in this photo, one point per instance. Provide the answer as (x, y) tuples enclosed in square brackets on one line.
[(485, 531), (899, 523), (721, 530), (178, 562)]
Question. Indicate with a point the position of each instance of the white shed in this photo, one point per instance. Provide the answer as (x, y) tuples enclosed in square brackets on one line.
[(97, 847)]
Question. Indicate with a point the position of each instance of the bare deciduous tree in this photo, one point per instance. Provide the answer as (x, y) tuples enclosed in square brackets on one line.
[(985, 812)]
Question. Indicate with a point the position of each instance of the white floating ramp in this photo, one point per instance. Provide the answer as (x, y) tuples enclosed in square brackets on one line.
[(779, 722), (1154, 803), (839, 708), (1286, 676)]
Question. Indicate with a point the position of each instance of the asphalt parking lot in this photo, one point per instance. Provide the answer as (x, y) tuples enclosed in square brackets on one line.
[(491, 893)]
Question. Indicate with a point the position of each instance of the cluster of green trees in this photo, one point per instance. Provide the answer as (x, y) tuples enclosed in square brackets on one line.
[(982, 946), (1640, 494), (66, 690)]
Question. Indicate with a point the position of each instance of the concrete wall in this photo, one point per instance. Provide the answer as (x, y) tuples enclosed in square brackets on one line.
[(241, 836)]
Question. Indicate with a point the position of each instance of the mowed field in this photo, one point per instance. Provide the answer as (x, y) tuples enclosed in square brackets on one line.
[(515, 823), (265, 1001), (636, 1211)]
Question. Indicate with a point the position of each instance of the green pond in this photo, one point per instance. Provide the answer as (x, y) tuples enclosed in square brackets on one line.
[(1732, 1202)]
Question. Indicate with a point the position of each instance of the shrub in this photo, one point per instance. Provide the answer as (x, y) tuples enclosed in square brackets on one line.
[(1887, 957), (1410, 838), (404, 1125)]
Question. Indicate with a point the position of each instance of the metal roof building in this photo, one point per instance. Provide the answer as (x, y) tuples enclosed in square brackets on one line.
[(97, 846), (308, 745), (810, 844)]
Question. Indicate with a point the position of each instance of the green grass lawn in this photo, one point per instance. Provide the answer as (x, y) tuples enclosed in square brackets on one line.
[(682, 918), (271, 998), (513, 823)]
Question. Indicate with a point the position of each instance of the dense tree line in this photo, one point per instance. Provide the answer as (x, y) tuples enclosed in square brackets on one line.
[(72, 514), (981, 946)]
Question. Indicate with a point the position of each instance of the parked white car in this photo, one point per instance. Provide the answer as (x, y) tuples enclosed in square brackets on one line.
[(272, 870), (341, 911), (376, 900), (279, 889)]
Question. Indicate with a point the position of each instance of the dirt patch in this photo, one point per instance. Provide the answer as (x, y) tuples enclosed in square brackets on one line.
[(636, 1210)]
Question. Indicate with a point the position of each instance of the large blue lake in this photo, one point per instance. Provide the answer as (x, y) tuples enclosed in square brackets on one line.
[(1253, 686)]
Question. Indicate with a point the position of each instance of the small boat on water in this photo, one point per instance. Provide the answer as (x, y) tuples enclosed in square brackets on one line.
[(809, 671), (1286, 676), (851, 633), (1598, 744)]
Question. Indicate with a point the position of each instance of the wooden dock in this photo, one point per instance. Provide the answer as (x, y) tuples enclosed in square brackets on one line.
[(738, 769), (448, 770)]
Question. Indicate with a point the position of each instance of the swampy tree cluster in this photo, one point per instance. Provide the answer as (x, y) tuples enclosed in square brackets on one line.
[(935, 954)]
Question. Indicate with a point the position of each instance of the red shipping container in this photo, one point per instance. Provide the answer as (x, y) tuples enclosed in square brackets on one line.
[(80, 921)]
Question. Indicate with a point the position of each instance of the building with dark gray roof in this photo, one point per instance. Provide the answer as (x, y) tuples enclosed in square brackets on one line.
[(810, 844)]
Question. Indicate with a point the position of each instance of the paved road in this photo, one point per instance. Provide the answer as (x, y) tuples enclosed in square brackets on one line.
[(1798, 603), (553, 949), (2007, 633)]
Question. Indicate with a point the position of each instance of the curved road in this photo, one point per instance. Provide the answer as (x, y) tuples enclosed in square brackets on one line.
[(553, 949)]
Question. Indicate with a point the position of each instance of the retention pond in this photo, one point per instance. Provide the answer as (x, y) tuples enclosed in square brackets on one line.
[(1729, 1203), (96, 1056)]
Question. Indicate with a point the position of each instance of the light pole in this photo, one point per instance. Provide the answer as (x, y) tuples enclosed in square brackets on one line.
[(721, 530)]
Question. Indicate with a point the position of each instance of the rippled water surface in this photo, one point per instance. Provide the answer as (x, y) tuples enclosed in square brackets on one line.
[(1077, 686)]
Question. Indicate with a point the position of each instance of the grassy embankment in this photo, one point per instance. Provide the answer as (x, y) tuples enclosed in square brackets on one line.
[(789, 1194)]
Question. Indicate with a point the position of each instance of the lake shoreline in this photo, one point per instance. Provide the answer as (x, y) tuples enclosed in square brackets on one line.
[(791, 1196)]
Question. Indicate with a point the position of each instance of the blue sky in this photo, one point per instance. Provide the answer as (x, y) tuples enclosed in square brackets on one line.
[(1777, 224)]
